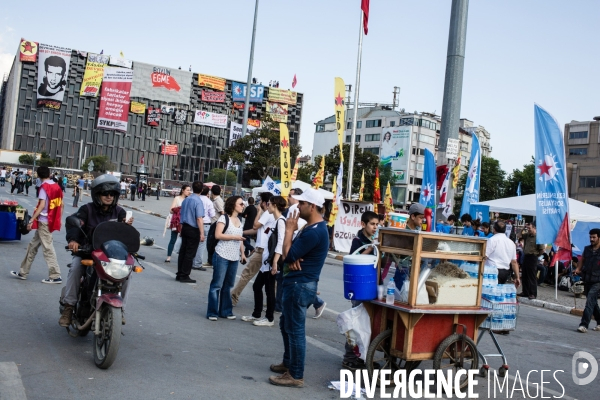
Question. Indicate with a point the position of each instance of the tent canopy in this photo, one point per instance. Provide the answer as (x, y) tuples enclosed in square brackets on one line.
[(525, 205), (327, 195)]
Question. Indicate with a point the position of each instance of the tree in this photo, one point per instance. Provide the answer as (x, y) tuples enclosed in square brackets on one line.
[(491, 184), (526, 177), (217, 175), (101, 164), (260, 149), (43, 161), (26, 159), (305, 173)]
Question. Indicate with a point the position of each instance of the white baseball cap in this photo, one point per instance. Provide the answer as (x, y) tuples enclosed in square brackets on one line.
[(312, 196)]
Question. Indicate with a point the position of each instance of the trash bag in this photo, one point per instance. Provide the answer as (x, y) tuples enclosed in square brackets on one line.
[(147, 241), (356, 325)]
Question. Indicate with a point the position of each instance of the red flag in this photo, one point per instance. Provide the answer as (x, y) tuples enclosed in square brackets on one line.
[(562, 242), (294, 81), (376, 189), (441, 172), (142, 160), (364, 6)]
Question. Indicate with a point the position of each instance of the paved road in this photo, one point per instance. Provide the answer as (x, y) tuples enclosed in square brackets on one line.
[(171, 351)]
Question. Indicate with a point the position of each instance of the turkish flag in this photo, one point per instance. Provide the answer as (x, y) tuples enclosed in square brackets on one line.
[(294, 81), (562, 242), (142, 160), (364, 6)]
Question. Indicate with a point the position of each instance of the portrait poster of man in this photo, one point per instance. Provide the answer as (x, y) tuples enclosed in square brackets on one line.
[(53, 74)]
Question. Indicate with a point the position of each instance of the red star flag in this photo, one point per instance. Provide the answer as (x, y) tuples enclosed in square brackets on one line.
[(364, 6)]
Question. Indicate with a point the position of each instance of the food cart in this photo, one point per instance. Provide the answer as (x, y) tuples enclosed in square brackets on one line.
[(439, 317)]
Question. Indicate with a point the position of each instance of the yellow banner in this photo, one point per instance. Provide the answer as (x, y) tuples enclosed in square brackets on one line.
[(278, 112), (283, 96), (340, 121), (284, 143), (212, 82), (295, 171), (138, 108), (334, 206), (361, 191), (319, 177), (92, 77)]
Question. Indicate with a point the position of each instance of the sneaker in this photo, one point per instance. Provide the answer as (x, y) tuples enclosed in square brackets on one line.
[(18, 275), (263, 322), (213, 318), (319, 311), (207, 264), (286, 380), (249, 318), (582, 329), (231, 317), (278, 368), (55, 280)]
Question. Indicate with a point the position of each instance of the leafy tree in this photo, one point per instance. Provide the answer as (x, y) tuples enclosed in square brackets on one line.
[(101, 164), (527, 178), (491, 184), (260, 149), (26, 159), (217, 175), (305, 173), (43, 161)]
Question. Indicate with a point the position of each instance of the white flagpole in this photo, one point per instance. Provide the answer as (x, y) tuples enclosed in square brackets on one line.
[(355, 114)]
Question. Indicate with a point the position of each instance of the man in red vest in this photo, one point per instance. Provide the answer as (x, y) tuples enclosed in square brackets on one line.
[(45, 220)]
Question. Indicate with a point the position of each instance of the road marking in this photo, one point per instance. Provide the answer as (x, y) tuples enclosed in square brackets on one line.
[(11, 386), (324, 347), (164, 271)]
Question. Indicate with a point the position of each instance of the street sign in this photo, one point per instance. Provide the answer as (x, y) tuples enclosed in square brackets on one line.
[(452, 148), (91, 166)]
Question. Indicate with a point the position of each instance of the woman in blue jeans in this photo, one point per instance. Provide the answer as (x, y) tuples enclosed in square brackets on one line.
[(176, 205), (228, 252)]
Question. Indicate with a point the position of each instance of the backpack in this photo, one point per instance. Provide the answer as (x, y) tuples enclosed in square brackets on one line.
[(272, 244), (211, 240)]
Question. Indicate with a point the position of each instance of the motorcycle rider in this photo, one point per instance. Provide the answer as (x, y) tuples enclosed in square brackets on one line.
[(105, 195)]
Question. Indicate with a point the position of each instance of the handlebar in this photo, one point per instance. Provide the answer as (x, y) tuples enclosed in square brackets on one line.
[(141, 257)]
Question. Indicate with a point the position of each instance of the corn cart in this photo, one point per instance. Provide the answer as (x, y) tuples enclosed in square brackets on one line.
[(438, 316)]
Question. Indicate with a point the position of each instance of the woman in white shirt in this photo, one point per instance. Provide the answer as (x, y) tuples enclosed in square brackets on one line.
[(177, 201), (228, 252), (266, 277)]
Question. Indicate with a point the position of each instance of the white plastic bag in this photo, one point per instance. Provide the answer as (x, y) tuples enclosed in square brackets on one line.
[(402, 295), (356, 325)]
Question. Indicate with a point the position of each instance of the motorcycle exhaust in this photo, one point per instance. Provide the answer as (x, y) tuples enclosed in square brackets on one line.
[(86, 324)]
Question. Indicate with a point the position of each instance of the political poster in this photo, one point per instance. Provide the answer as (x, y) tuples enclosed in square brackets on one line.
[(212, 82), (169, 149), (207, 118), (347, 223), (167, 109), (120, 62), (254, 122), (213, 97), (138, 108), (159, 83), (277, 112), (238, 92), (240, 106), (53, 72), (153, 116), (235, 132), (180, 116), (92, 76), (114, 99), (28, 51), (395, 150), (282, 96)]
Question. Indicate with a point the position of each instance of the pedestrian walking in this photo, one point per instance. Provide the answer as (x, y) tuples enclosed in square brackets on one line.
[(64, 183), (139, 190), (192, 233), (228, 252), (209, 213), (123, 187), (2, 176), (38, 184), (158, 188), (80, 183), (531, 252), (28, 183), (144, 189), (75, 194), (46, 219), (589, 268), (175, 218), (132, 190), (249, 216)]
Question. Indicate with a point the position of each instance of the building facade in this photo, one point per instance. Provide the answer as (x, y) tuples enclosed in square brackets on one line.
[(582, 147), (70, 134)]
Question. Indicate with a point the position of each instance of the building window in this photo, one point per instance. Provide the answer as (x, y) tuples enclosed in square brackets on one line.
[(392, 123), (578, 152), (589, 181), (356, 138), (418, 152), (578, 135), (320, 128), (372, 137), (374, 150), (349, 125), (416, 181), (373, 123), (426, 139), (420, 167), (406, 121)]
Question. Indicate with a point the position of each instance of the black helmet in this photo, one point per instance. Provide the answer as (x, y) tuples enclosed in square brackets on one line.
[(105, 183)]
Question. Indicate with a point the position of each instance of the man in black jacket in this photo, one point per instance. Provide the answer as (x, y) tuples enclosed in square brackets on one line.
[(589, 266), (249, 216)]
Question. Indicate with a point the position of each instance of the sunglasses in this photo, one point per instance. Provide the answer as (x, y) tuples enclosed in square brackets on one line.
[(108, 194)]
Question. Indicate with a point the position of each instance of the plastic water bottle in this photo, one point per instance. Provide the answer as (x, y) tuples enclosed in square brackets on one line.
[(391, 287), (497, 318)]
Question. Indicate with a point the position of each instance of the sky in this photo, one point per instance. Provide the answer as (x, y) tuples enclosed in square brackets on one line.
[(517, 52)]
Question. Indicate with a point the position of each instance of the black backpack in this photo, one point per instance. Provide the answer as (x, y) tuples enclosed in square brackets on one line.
[(211, 240), (272, 244)]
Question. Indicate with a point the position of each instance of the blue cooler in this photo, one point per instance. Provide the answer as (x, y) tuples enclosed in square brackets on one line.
[(360, 275)]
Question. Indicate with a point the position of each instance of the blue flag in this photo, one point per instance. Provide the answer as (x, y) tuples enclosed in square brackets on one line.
[(551, 196), (427, 197), (519, 216), (471, 194)]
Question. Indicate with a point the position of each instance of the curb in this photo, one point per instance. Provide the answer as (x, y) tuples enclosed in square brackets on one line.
[(144, 211), (552, 306)]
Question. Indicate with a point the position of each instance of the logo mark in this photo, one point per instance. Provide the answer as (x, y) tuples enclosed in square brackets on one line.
[(160, 79), (581, 367)]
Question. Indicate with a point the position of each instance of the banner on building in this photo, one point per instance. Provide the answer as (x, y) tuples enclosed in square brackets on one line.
[(347, 223), (282, 96), (28, 51), (277, 112), (53, 72), (138, 108), (169, 150), (114, 99), (120, 62), (235, 132), (339, 91), (238, 92), (212, 82), (240, 106), (153, 116), (254, 122), (395, 150), (284, 155), (213, 97), (92, 77), (167, 109), (210, 119), (180, 116), (159, 83)]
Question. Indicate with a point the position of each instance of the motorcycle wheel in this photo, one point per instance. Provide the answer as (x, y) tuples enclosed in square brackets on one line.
[(106, 345)]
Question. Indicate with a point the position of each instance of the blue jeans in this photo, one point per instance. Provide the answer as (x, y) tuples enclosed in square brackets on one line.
[(318, 302), (297, 297), (219, 293), (174, 235), (591, 305), (279, 291)]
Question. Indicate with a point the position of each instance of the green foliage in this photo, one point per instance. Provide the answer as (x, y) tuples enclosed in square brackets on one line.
[(491, 185), (217, 175), (43, 161), (305, 173), (527, 178), (101, 164), (26, 159)]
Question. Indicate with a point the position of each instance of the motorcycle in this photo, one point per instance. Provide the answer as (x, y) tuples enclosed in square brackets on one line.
[(109, 260)]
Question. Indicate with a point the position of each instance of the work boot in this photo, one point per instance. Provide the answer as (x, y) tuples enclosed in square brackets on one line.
[(279, 368), (286, 380), (66, 316)]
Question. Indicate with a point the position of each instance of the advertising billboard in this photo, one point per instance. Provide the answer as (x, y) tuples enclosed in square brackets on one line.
[(238, 92), (159, 83), (395, 150)]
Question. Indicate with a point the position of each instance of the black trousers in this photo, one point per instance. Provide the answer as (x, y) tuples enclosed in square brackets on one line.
[(530, 275), (266, 279), (133, 195), (190, 239), (503, 275)]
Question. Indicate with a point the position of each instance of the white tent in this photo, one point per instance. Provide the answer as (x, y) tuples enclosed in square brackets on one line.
[(327, 195), (525, 205)]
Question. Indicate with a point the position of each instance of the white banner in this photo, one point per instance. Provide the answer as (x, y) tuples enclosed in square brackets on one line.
[(347, 223), (53, 75), (210, 119), (120, 62), (235, 132)]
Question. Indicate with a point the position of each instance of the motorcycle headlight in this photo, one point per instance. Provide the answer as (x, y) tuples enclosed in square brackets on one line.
[(116, 269)]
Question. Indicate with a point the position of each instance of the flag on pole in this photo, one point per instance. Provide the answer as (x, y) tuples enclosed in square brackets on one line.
[(334, 206), (364, 6), (471, 193), (376, 190), (444, 191), (427, 197), (294, 81), (562, 242), (519, 216), (552, 199), (319, 177), (284, 156), (122, 55), (455, 173), (339, 91), (295, 171), (142, 160), (340, 180), (447, 209), (362, 186), (388, 202)]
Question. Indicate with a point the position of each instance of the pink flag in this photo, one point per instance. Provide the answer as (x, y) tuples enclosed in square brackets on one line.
[(294, 81)]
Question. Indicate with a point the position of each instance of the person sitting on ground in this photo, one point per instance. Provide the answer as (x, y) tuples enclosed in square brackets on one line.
[(466, 220)]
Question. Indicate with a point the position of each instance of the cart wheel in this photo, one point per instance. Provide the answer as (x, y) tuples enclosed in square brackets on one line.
[(457, 352), (502, 371), (379, 356), (483, 372)]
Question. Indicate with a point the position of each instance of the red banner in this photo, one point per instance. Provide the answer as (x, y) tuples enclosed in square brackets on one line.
[(213, 97), (28, 51), (114, 100), (153, 116), (240, 106), (169, 150)]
